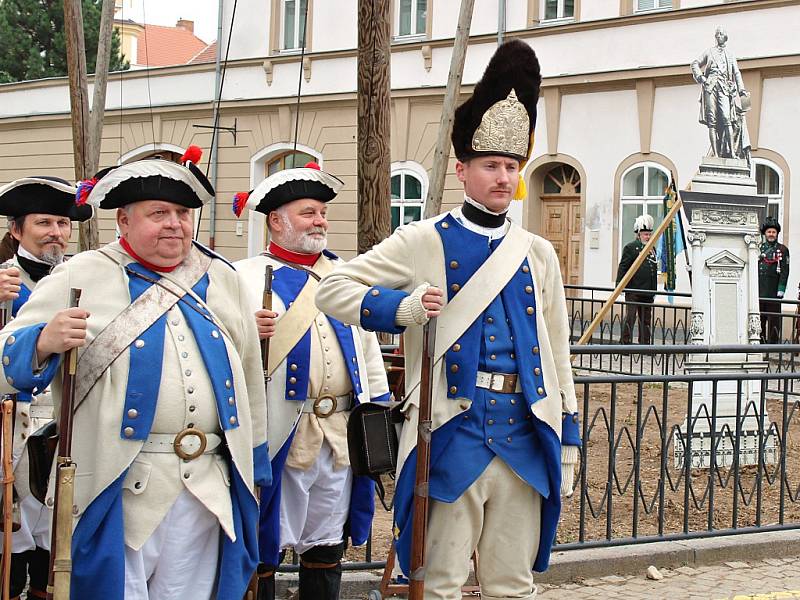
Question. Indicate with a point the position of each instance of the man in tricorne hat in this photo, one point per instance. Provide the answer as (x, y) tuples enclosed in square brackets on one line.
[(773, 273), (169, 408), (40, 211), (645, 278), (320, 369), (504, 409)]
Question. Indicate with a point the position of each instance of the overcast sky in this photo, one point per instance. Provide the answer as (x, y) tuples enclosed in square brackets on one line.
[(167, 12)]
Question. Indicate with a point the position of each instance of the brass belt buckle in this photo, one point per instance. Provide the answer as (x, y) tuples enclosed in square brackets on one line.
[(176, 444), (325, 406)]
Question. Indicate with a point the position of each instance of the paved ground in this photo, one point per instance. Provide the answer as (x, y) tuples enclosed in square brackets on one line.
[(769, 579)]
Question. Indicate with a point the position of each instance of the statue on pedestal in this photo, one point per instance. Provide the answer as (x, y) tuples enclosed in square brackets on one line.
[(723, 100)]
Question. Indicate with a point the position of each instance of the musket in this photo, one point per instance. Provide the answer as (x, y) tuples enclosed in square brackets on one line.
[(419, 526), (58, 585), (7, 441), (266, 303)]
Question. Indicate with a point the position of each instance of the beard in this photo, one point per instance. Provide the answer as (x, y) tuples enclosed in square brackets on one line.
[(302, 241), (52, 255)]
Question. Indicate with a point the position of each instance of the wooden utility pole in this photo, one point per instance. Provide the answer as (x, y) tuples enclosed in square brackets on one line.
[(374, 97), (433, 204), (87, 127)]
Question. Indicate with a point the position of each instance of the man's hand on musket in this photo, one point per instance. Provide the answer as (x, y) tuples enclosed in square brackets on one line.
[(433, 301), (64, 331), (265, 321), (10, 284)]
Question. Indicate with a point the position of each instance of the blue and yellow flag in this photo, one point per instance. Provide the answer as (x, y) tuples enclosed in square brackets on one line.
[(671, 243)]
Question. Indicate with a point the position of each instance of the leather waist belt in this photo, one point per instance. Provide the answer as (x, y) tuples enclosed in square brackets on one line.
[(503, 383), (188, 444), (327, 404)]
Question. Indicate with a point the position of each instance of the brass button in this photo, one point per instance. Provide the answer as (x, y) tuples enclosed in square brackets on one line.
[(187, 475), (214, 333), (511, 421), (492, 401), (535, 350), (540, 390), (293, 367), (50, 502), (508, 439), (11, 340), (184, 355), (292, 379), (188, 372), (491, 338), (525, 268), (529, 289), (512, 355), (490, 422), (192, 408), (232, 420), (181, 338), (375, 292), (454, 368), (292, 393), (463, 406), (228, 383), (513, 401), (537, 371), (455, 287), (10, 380), (138, 485), (139, 343), (490, 440), (529, 310), (453, 389), (128, 431), (133, 413), (453, 264), (6, 360), (231, 401), (456, 347), (190, 389), (445, 225), (493, 357), (365, 312)]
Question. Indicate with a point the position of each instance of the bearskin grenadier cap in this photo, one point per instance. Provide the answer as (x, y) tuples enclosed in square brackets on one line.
[(43, 195), (285, 186), (149, 179)]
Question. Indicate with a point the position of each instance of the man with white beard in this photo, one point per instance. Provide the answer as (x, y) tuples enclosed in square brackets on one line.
[(40, 211), (320, 369)]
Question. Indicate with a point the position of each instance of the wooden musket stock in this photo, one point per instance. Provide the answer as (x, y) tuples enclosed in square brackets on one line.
[(58, 586), (420, 515)]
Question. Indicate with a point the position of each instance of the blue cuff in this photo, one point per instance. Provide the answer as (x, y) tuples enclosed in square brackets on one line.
[(570, 430), (19, 353), (262, 467), (387, 397), (379, 309)]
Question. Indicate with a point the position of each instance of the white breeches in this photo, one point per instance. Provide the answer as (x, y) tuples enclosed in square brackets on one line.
[(179, 561), (34, 528), (499, 515), (315, 503)]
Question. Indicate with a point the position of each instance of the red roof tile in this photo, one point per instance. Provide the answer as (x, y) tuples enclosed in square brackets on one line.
[(206, 55), (161, 46)]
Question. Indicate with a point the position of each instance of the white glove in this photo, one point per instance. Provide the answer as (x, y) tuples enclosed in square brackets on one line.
[(569, 458), (780, 294)]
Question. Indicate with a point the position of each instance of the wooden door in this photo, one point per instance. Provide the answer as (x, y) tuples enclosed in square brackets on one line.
[(564, 229)]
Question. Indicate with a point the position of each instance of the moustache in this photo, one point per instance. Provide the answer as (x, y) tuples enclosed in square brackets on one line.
[(52, 240)]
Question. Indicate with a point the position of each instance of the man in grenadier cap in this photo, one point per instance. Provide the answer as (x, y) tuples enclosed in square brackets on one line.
[(504, 409), (320, 369), (773, 273), (169, 408), (645, 278), (40, 211)]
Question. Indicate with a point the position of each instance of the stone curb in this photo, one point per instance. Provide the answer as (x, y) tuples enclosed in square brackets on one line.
[(576, 565)]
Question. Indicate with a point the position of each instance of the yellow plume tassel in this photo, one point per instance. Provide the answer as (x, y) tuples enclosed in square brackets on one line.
[(522, 189)]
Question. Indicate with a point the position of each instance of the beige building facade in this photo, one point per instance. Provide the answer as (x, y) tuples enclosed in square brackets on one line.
[(618, 112)]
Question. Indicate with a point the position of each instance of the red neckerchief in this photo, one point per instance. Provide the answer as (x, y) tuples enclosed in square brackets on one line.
[(127, 247), (306, 260)]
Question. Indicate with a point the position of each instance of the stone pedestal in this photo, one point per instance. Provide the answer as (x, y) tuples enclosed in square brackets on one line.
[(724, 214)]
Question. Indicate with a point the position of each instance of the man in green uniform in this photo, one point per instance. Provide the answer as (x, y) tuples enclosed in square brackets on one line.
[(773, 273), (644, 279)]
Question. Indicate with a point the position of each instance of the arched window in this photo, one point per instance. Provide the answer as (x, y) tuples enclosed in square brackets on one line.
[(769, 182), (643, 189), (287, 160), (408, 194)]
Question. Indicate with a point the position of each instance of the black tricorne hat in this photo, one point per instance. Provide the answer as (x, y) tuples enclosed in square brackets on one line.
[(41, 194), (286, 186), (770, 223), (500, 116), (149, 179)]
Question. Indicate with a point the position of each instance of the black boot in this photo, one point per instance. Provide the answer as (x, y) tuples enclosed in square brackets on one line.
[(266, 582), (321, 573)]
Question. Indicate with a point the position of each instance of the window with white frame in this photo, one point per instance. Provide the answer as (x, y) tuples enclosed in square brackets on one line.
[(408, 197), (643, 5), (293, 24), (769, 183), (555, 10), (643, 189), (411, 17)]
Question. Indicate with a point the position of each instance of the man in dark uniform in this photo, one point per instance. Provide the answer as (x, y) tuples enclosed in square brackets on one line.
[(644, 279), (773, 273)]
